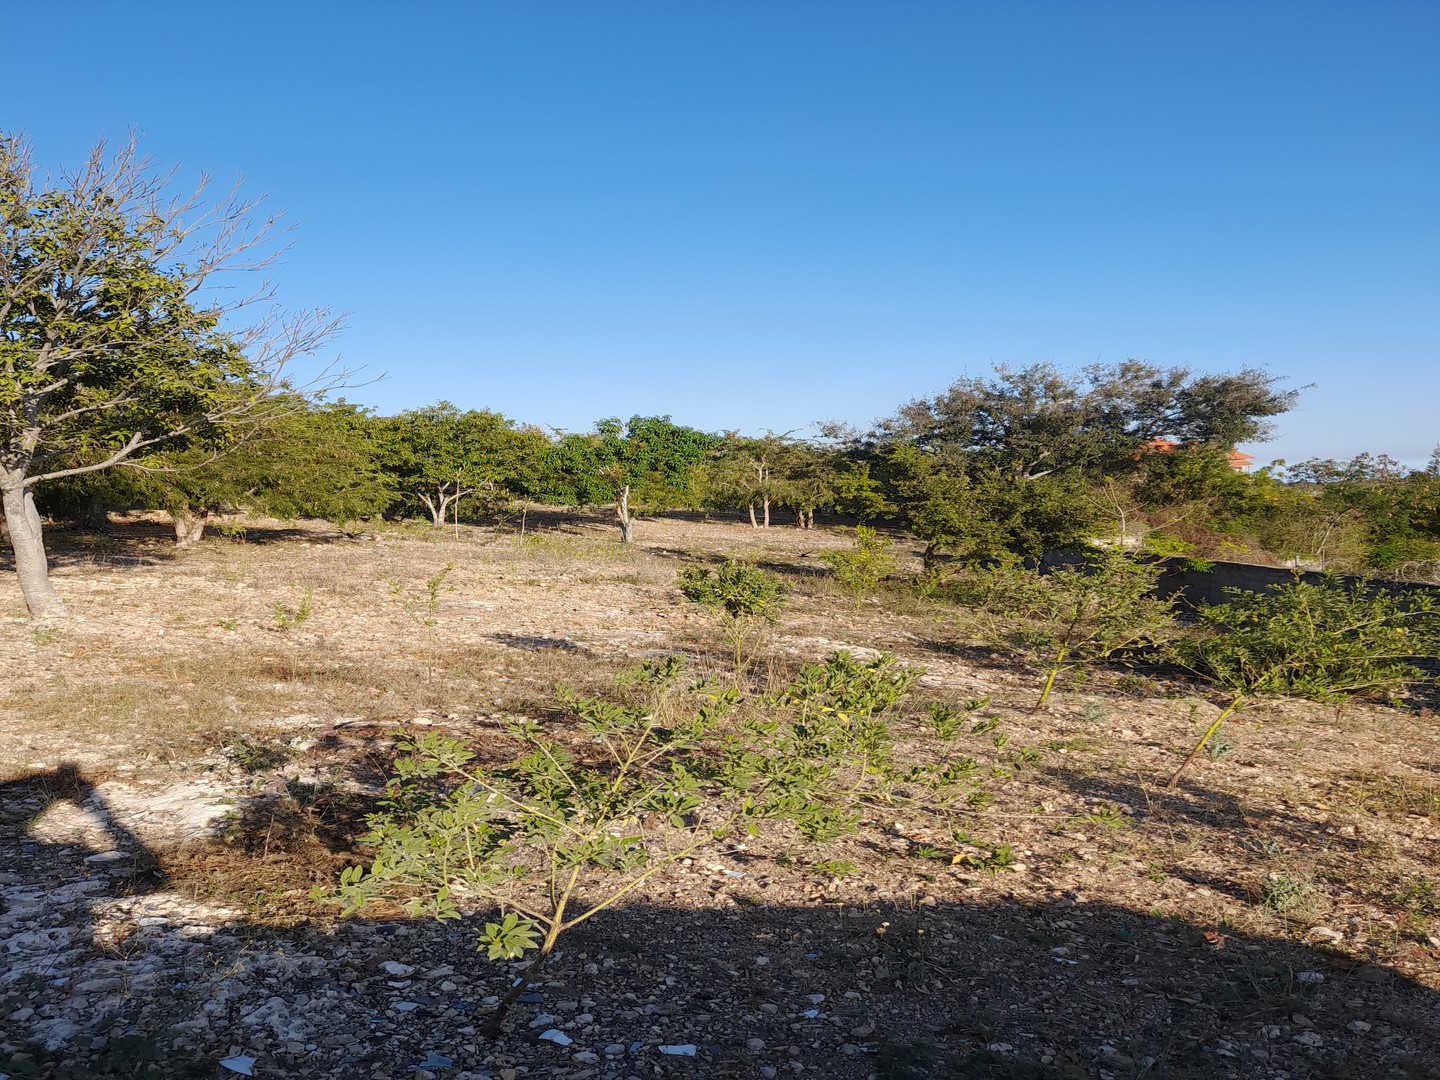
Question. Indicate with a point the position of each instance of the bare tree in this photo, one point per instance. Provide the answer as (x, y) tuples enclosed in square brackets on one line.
[(122, 332)]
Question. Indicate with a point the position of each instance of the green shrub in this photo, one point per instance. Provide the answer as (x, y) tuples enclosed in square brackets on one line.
[(746, 596), (1326, 642), (1076, 616), (550, 837), (861, 569)]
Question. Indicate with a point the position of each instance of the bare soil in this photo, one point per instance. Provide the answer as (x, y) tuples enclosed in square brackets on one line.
[(184, 759)]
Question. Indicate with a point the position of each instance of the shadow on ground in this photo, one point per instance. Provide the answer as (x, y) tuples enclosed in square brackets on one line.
[(893, 989)]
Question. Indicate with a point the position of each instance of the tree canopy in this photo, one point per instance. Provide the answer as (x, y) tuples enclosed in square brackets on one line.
[(113, 342)]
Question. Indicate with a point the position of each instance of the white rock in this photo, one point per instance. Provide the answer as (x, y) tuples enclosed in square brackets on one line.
[(243, 1064), (399, 970), (678, 1049), (556, 1036)]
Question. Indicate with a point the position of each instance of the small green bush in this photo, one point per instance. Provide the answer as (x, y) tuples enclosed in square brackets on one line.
[(746, 596), (1324, 641), (1069, 618), (860, 570)]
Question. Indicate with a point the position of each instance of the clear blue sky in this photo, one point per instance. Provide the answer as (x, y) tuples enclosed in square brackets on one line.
[(760, 214)]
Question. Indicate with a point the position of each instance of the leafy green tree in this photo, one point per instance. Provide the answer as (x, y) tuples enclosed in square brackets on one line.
[(751, 473), (114, 341), (1396, 511), (952, 503), (1033, 421), (644, 465), (314, 462), (440, 457)]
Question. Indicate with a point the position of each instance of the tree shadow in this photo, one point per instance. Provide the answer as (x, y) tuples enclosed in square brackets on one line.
[(754, 975), (48, 889)]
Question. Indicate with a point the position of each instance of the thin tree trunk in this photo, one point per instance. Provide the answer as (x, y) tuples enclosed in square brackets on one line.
[(753, 523), (1195, 751), (809, 519), (626, 519), (767, 512), (189, 526), (27, 539)]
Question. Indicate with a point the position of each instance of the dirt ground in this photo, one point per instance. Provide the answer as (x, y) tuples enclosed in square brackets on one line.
[(192, 751)]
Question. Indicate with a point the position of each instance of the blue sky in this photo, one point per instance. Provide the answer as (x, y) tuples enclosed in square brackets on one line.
[(760, 214)]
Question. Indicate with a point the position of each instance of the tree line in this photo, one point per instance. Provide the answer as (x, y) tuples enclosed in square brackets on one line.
[(1019, 462), (138, 368)]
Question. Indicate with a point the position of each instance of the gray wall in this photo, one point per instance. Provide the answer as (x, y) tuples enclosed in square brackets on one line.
[(1198, 587)]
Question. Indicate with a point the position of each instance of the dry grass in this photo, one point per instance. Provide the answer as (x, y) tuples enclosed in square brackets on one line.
[(176, 663)]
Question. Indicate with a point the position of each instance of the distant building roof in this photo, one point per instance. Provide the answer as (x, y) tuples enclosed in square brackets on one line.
[(1238, 461)]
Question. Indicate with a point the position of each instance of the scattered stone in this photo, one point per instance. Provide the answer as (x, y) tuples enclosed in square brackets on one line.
[(678, 1049), (243, 1064), (399, 970), (556, 1036)]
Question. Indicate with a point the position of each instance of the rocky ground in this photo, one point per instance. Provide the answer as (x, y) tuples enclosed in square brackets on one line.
[(194, 751)]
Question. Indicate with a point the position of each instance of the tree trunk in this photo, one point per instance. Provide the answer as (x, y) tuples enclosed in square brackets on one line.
[(626, 519), (767, 511), (809, 519), (189, 526), (753, 523), (31, 566)]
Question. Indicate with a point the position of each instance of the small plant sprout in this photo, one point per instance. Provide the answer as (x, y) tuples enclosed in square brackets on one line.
[(747, 598), (430, 603), (286, 618), (947, 721), (1322, 641)]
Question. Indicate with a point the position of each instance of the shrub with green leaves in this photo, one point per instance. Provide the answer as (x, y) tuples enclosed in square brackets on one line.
[(572, 821), (1325, 641), (860, 570), (746, 596), (563, 830), (1064, 620), (823, 747)]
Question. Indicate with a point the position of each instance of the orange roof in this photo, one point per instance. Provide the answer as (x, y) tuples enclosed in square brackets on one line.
[(1238, 461)]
